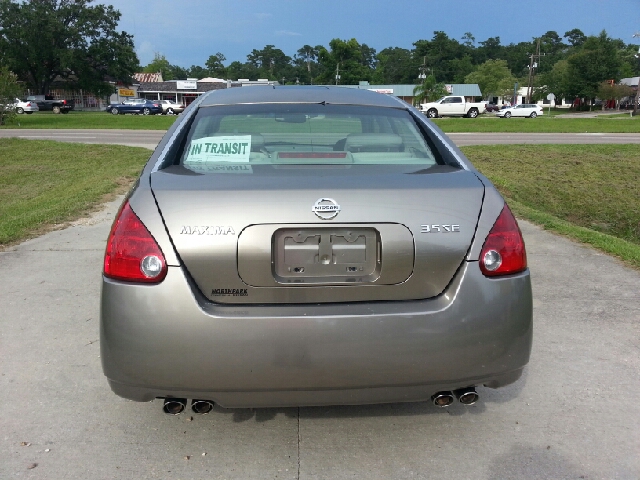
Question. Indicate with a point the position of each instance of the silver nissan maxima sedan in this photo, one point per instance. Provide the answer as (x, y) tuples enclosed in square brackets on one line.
[(290, 246)]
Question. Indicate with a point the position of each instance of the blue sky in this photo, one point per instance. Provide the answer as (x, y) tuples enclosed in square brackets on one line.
[(188, 31)]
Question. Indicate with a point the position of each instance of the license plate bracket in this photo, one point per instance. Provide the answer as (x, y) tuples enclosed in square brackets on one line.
[(326, 255)]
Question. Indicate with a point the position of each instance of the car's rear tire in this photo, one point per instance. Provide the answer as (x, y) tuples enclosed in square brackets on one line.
[(507, 115), (432, 113), (20, 110), (170, 111), (533, 115), (114, 111), (473, 113), (56, 109), (146, 111)]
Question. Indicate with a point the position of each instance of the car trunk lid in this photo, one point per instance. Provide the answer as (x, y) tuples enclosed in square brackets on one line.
[(335, 233)]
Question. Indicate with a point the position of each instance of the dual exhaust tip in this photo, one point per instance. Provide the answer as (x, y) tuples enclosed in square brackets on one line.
[(175, 406), (466, 396)]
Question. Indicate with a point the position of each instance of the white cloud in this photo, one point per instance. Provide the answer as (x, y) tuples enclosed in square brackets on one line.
[(145, 52)]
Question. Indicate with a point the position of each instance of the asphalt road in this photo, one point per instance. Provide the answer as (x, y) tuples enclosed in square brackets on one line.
[(150, 138), (574, 415)]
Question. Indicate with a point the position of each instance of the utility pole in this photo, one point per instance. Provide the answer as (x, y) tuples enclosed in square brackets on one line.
[(423, 70), (533, 64), (635, 101), (337, 73)]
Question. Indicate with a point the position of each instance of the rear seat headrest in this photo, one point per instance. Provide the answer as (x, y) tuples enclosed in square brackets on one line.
[(368, 140)]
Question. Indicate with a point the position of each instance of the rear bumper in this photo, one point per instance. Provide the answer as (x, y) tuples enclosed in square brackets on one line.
[(167, 340)]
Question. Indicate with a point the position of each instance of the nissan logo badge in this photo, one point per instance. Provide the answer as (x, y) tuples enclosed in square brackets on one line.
[(326, 208)]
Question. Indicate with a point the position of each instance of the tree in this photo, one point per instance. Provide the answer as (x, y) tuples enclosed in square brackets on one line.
[(43, 41), (196, 71), (215, 67), (493, 77), (10, 89), (517, 57), (575, 37), (306, 63), (160, 64), (271, 62), (490, 49), (344, 58), (468, 40), (597, 61), (429, 90), (395, 65), (308, 55), (179, 72), (557, 81), (237, 70), (443, 56), (369, 58), (608, 91), (461, 67), (630, 62), (553, 48)]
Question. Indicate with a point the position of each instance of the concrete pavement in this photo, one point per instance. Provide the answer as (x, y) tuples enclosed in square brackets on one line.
[(573, 415)]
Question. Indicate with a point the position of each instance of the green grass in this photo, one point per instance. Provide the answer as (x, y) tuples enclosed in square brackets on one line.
[(544, 124), (588, 192), (44, 183), (100, 120)]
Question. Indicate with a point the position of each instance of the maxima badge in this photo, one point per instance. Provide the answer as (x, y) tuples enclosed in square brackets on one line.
[(326, 208)]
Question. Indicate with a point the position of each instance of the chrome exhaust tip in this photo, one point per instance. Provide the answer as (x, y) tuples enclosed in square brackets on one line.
[(442, 399), (201, 407), (467, 396), (174, 406)]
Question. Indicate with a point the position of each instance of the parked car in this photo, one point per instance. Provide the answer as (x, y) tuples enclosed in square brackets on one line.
[(25, 106), (134, 101), (523, 110), (308, 246), (49, 103), (452, 106), (492, 107), (144, 107), (170, 107)]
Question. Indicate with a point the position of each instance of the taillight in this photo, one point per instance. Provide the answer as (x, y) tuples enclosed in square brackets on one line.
[(503, 251), (132, 253), (28, 104)]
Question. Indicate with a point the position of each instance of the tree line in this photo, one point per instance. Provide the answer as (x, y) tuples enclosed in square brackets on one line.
[(78, 44), (571, 66)]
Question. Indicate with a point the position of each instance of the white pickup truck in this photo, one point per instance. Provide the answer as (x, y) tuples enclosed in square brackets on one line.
[(452, 106)]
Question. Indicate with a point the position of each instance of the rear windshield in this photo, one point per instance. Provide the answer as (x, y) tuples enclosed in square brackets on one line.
[(281, 134)]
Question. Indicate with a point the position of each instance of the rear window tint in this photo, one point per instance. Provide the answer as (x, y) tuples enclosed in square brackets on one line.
[(304, 134)]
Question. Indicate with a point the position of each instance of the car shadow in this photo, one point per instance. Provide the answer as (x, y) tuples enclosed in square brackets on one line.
[(487, 396)]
